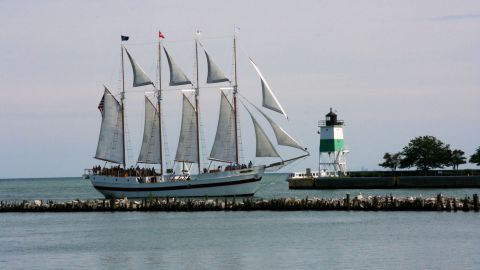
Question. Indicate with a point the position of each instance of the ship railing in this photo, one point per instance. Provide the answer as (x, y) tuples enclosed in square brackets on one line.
[(121, 172)]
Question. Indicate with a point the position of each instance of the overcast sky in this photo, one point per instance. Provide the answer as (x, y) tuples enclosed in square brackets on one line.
[(392, 70)]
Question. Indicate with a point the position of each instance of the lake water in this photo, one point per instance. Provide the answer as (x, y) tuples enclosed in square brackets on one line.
[(233, 240), (272, 186)]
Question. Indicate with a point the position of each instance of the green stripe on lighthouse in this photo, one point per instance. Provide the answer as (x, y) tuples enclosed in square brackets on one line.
[(331, 145)]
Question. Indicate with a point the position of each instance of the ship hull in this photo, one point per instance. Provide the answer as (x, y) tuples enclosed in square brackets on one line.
[(243, 182)]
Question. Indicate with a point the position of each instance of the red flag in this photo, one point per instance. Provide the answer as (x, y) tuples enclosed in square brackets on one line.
[(161, 35)]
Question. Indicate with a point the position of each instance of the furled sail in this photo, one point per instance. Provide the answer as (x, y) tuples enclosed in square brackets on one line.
[(177, 77), (264, 145), (150, 150), (110, 141), (224, 146), (269, 99), (140, 78), (187, 143), (283, 138), (215, 74)]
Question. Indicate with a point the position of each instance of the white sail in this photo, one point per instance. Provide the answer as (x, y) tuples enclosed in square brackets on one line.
[(224, 146), (283, 138), (110, 141), (177, 77), (140, 78), (215, 74), (269, 99), (263, 144), (187, 143), (150, 150)]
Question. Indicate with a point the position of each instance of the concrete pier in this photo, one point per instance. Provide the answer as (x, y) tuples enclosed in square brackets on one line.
[(357, 203), (386, 182)]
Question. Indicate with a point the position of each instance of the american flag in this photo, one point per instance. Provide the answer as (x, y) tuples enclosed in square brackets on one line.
[(101, 105)]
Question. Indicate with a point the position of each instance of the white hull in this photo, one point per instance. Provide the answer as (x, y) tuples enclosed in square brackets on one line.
[(244, 182)]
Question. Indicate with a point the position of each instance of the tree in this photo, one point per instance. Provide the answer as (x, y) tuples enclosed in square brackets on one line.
[(457, 157), (425, 152), (475, 158), (391, 161)]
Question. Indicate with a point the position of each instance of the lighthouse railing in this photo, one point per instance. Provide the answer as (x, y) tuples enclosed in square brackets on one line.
[(323, 123)]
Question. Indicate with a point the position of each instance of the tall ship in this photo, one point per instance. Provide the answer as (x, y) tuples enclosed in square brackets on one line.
[(225, 174)]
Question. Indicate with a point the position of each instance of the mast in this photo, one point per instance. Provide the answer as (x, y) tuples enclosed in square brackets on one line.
[(197, 109), (123, 109), (159, 101), (235, 90)]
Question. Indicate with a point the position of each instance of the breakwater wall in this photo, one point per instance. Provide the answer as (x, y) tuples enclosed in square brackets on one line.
[(357, 203), (386, 182), (464, 172)]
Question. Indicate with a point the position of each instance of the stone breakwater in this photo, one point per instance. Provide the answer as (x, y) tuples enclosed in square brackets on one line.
[(357, 203)]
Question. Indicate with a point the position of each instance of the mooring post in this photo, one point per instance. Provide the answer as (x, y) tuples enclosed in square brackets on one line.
[(347, 201), (475, 202), (439, 202), (465, 204), (112, 204), (375, 203)]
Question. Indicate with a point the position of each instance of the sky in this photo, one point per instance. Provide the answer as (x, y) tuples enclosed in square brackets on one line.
[(392, 70)]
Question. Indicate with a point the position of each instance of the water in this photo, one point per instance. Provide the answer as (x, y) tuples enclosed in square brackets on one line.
[(233, 240), (271, 186)]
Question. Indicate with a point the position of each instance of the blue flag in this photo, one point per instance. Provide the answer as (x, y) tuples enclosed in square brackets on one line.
[(125, 38)]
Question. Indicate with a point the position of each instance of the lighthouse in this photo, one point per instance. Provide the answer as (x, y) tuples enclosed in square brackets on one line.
[(332, 152)]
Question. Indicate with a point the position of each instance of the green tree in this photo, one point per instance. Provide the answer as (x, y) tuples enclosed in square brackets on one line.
[(391, 161), (425, 152), (457, 157), (475, 158)]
